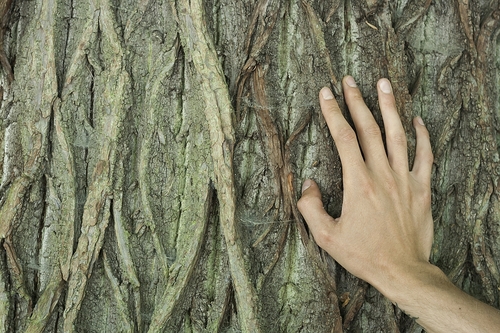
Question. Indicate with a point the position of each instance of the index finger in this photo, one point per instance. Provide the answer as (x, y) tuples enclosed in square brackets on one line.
[(342, 133)]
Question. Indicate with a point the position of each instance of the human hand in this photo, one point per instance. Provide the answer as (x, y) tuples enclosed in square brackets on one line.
[(385, 229)]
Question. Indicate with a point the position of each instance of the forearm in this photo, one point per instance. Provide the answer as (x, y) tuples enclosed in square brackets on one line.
[(427, 295)]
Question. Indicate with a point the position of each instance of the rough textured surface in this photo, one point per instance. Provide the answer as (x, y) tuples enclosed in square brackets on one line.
[(152, 154)]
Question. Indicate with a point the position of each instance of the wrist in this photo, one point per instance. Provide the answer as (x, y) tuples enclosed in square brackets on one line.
[(403, 285), (425, 293)]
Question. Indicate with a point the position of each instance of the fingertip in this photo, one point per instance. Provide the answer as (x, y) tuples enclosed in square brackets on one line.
[(309, 186), (349, 81), (306, 185), (311, 207), (418, 121), (420, 128), (385, 86), (424, 157), (311, 195), (326, 94), (329, 106)]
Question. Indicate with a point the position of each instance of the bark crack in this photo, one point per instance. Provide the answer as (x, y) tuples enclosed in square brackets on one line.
[(66, 40), (5, 7), (218, 113)]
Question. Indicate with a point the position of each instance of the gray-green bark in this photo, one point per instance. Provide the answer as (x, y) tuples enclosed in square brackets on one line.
[(153, 152)]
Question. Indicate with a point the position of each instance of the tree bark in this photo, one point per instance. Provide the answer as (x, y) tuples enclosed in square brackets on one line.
[(153, 154)]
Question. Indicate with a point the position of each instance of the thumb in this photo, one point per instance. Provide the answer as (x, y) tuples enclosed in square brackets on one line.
[(311, 207)]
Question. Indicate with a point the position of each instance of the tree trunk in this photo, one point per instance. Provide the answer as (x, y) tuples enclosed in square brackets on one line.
[(153, 153)]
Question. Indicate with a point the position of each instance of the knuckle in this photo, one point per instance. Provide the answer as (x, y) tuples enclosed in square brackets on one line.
[(355, 96), (372, 130), (391, 184), (330, 107), (427, 157), (387, 102), (426, 196), (424, 133), (421, 194), (305, 202), (323, 237), (302, 203), (367, 186), (425, 199), (346, 134), (399, 139)]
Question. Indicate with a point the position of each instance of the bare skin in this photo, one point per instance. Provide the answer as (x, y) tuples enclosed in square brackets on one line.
[(385, 232)]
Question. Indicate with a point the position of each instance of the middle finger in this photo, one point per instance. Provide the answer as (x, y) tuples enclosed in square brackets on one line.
[(367, 129)]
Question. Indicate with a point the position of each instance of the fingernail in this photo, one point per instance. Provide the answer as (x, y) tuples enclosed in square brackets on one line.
[(350, 81), (306, 185), (326, 93), (385, 86), (420, 121)]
